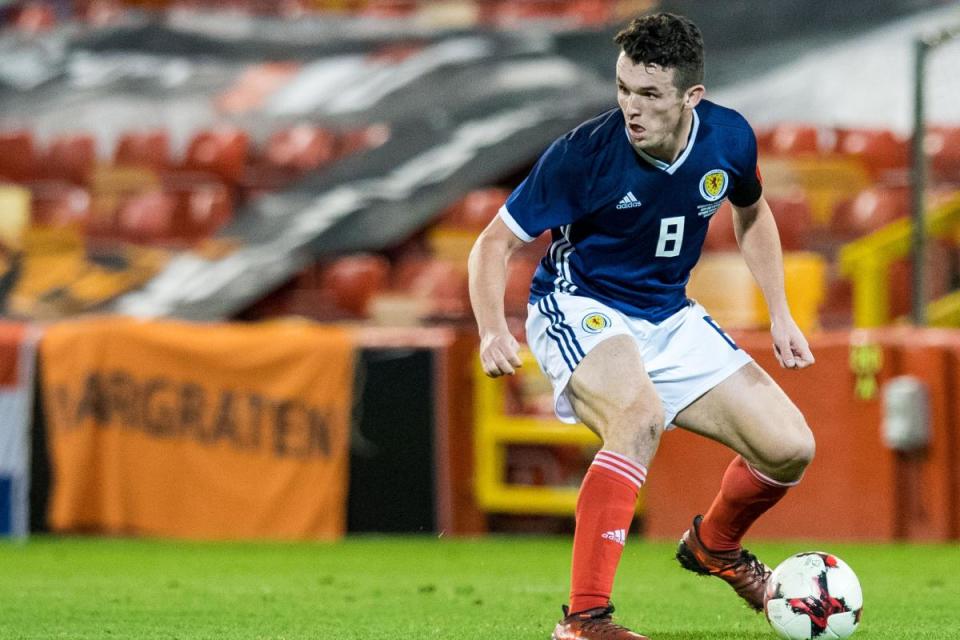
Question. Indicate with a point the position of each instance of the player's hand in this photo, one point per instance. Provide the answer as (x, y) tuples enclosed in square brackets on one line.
[(789, 344), (499, 354)]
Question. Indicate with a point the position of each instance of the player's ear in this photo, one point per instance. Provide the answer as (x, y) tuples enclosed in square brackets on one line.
[(693, 95)]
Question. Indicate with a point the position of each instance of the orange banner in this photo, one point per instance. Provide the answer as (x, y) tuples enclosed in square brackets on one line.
[(198, 431)]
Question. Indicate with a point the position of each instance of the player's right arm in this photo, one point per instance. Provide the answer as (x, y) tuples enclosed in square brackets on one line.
[(499, 350)]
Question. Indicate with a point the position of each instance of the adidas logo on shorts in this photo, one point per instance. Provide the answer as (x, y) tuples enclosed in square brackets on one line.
[(617, 535), (629, 201)]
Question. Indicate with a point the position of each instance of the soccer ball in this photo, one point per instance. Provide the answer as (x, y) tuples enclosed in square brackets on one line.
[(813, 595)]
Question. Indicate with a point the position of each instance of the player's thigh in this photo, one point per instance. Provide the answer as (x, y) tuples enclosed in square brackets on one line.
[(611, 391), (751, 414)]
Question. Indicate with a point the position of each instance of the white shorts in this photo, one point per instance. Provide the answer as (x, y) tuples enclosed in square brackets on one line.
[(686, 355)]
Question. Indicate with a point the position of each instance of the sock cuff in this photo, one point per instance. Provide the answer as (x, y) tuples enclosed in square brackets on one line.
[(625, 468), (767, 480)]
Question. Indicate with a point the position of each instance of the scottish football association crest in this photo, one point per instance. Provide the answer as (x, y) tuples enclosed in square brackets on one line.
[(713, 185), (595, 322)]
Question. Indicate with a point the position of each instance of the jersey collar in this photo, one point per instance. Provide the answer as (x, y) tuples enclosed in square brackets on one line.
[(672, 168)]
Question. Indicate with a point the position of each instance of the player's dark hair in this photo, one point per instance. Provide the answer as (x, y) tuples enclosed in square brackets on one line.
[(666, 40)]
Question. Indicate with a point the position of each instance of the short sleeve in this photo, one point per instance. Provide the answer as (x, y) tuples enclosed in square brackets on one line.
[(554, 194), (747, 186)]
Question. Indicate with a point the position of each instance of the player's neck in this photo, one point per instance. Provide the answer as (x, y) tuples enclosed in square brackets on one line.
[(675, 144)]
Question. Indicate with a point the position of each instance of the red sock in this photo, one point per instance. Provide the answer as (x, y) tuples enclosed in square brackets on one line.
[(745, 495), (605, 508)]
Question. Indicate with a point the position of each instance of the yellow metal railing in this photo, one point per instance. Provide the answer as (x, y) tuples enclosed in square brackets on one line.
[(495, 429), (867, 263)]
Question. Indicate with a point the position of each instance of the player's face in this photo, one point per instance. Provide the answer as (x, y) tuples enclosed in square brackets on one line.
[(652, 105)]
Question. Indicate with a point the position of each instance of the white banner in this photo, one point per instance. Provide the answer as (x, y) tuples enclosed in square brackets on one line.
[(17, 360)]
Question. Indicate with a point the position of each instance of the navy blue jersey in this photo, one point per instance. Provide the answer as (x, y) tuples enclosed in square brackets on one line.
[(627, 228)]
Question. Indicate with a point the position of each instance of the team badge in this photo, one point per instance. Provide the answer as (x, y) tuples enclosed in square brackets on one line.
[(713, 185), (595, 323)]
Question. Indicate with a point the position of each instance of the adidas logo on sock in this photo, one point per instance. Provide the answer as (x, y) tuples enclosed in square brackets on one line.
[(629, 201), (617, 535)]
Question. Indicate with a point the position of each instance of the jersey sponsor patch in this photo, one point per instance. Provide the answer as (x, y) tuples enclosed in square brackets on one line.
[(713, 185), (595, 322)]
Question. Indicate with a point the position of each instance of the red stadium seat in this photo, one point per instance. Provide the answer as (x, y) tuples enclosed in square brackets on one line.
[(221, 152), (519, 274), (70, 157), (797, 139), (201, 210), (870, 210), (301, 148), (353, 280), (510, 12), (144, 148), (147, 218), (36, 17), (475, 211), (794, 219), (58, 204), (880, 150), (389, 8), (942, 146), (720, 236), (792, 213), (440, 284), (590, 13), (18, 158), (362, 139)]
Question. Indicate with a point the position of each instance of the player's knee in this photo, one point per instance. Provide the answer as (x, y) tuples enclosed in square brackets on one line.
[(795, 453)]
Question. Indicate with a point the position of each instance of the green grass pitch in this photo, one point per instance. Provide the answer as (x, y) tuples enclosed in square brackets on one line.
[(400, 587)]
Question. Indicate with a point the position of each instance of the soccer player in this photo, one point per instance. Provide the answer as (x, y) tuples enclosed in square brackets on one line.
[(627, 197)]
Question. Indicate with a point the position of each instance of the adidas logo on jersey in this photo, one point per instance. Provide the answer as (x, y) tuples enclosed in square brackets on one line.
[(617, 535), (629, 201)]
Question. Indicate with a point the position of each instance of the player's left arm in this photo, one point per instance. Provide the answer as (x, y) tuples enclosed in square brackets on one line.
[(759, 240)]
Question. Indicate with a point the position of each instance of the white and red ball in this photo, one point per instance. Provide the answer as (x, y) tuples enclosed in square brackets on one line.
[(813, 595)]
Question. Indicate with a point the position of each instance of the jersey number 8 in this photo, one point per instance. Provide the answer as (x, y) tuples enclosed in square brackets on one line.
[(671, 237)]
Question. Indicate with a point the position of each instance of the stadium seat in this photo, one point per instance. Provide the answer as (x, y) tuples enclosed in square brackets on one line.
[(301, 148), (201, 210), (938, 274), (870, 210), (147, 218), (942, 146), (881, 151), (144, 148), (794, 219), (512, 12), (389, 8), (59, 204), (102, 12), (796, 139), (791, 211), (70, 157), (441, 285), (359, 140), (18, 158), (765, 140), (475, 211), (519, 274), (354, 280), (36, 17), (720, 236), (590, 13), (221, 152)]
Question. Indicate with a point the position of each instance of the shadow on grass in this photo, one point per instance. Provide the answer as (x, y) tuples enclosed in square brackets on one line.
[(701, 634)]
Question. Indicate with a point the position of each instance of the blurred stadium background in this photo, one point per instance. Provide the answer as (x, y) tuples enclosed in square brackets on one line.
[(233, 242)]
